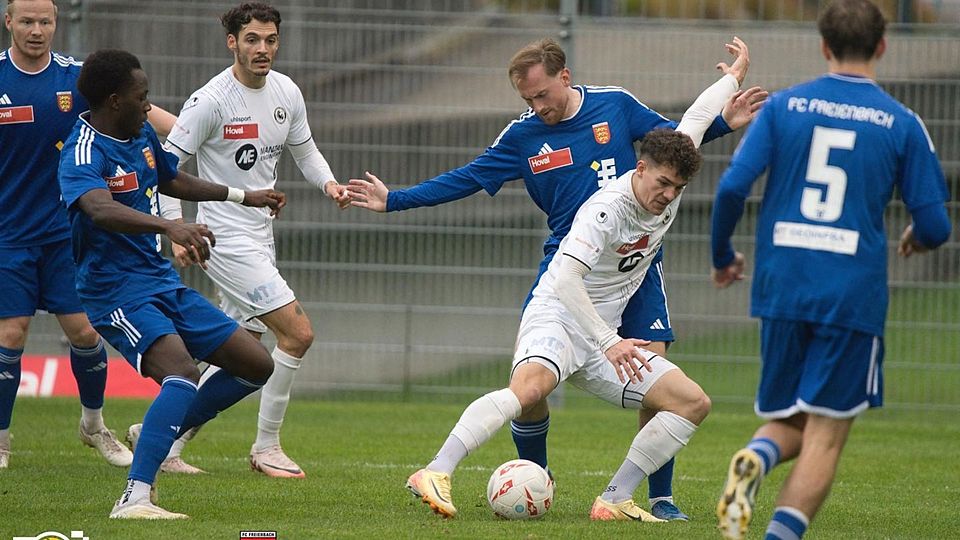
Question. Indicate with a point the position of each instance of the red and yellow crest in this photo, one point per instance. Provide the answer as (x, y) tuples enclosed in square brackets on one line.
[(151, 162), (601, 132), (65, 101)]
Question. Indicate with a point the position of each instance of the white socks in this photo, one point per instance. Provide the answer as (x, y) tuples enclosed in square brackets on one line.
[(480, 420), (135, 491), (661, 439), (274, 399), (91, 420)]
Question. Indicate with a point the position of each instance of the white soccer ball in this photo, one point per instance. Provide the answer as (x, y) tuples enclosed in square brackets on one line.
[(520, 489)]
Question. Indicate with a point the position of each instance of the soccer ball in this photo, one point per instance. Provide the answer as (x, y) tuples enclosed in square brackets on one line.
[(520, 489)]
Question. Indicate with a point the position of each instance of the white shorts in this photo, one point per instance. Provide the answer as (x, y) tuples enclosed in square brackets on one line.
[(547, 339), (248, 282)]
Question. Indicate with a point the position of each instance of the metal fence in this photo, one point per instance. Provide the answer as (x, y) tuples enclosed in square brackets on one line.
[(427, 301)]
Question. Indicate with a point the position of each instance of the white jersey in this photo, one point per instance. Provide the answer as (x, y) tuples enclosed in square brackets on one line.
[(616, 238), (237, 134)]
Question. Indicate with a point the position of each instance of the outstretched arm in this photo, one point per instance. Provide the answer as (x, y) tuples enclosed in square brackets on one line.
[(371, 193)]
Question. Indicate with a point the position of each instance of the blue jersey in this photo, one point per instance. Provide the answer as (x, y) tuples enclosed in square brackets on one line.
[(113, 268), (561, 165), (835, 147), (37, 112)]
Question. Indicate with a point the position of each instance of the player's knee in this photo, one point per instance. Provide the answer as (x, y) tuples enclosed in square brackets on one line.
[(255, 367), (158, 370), (693, 403), (13, 333), (699, 407), (297, 341), (84, 338)]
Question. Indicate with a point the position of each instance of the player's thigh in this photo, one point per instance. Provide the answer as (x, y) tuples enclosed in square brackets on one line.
[(843, 372), (132, 328), (646, 315), (19, 282), (289, 322), (57, 274), (598, 377), (679, 394), (247, 280)]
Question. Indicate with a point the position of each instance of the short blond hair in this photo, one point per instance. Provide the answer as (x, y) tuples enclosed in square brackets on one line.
[(56, 9), (544, 51)]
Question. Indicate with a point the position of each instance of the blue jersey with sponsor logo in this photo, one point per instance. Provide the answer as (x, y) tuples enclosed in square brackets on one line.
[(561, 165), (37, 112), (835, 147), (113, 268)]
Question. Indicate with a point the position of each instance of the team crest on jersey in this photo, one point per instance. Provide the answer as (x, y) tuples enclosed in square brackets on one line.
[(65, 101), (639, 244), (123, 183), (151, 162), (280, 115), (601, 133)]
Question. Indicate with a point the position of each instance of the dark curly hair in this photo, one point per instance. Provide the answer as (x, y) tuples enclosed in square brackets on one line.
[(852, 29), (236, 18), (666, 147), (105, 72)]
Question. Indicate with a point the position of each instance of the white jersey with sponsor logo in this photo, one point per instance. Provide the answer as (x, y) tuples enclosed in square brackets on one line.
[(617, 239), (237, 134)]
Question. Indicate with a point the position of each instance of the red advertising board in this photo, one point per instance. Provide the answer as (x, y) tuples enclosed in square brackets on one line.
[(47, 376)]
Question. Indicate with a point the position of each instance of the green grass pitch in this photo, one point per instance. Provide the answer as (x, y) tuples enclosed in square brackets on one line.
[(899, 476)]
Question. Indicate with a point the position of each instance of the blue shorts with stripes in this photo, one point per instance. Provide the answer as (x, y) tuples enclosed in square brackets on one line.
[(134, 326), (820, 369)]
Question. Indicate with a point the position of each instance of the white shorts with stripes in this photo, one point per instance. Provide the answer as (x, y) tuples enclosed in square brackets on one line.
[(551, 340)]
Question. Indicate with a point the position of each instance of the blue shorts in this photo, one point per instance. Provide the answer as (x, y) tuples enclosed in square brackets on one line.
[(646, 315), (38, 277), (134, 326), (820, 369)]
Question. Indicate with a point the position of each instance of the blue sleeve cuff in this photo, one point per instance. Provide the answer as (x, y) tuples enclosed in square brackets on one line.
[(931, 225)]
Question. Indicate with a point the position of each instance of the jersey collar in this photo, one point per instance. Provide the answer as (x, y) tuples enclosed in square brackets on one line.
[(39, 71)]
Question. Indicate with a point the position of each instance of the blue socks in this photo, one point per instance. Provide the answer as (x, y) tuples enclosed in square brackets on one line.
[(160, 426), (768, 451), (660, 483), (787, 524), (90, 370), (9, 383), (215, 395), (531, 440)]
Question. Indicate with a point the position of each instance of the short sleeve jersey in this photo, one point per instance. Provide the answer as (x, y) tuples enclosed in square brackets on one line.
[(617, 239), (238, 134), (113, 268), (835, 148), (37, 112)]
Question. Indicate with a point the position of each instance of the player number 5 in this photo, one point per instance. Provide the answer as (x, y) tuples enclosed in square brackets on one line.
[(826, 203)]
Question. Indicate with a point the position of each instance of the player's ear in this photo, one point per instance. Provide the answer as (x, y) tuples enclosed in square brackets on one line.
[(881, 48), (825, 50), (232, 42), (565, 76)]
